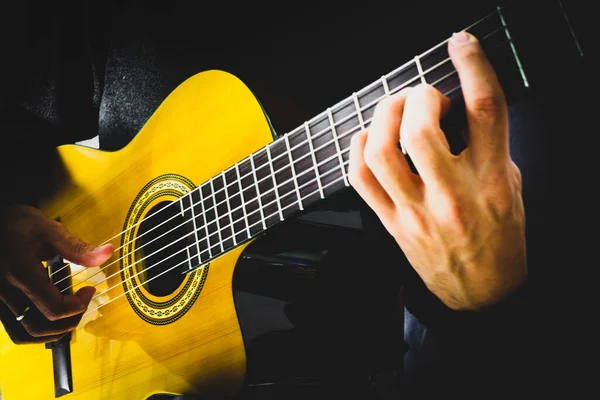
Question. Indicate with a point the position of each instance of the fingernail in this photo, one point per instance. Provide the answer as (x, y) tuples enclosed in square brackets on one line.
[(98, 249), (460, 38)]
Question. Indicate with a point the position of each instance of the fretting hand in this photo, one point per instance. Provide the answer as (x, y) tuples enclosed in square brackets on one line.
[(28, 237), (461, 220)]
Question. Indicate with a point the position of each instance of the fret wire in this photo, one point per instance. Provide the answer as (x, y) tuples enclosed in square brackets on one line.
[(384, 83), (315, 191), (337, 146), (212, 187), (437, 46), (420, 69), (312, 153), (335, 155), (359, 107), (358, 111), (387, 92), (346, 118), (357, 104), (514, 50), (180, 200), (258, 194), (205, 220), (350, 131), (187, 249), (287, 144), (239, 179), (227, 197), (195, 228), (325, 161), (274, 181)]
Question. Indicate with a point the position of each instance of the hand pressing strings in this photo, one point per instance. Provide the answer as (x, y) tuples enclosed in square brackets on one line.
[(460, 221)]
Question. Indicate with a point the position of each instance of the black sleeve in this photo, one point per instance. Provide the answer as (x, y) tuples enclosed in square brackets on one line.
[(50, 87)]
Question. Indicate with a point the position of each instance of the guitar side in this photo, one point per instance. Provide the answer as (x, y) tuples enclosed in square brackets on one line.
[(126, 349)]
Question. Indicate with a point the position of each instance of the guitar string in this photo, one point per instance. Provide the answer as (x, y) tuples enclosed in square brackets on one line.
[(272, 214), (497, 11), (183, 262), (214, 194), (326, 144), (298, 201), (88, 312), (232, 223)]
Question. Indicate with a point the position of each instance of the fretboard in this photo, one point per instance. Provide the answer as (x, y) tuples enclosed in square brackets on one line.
[(310, 163)]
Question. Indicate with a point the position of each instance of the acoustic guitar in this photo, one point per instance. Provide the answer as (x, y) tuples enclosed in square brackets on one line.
[(180, 205)]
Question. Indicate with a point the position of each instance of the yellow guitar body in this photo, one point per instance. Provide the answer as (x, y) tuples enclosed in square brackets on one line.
[(188, 341)]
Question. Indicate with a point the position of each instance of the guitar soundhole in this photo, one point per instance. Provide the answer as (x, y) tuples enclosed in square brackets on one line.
[(160, 244)]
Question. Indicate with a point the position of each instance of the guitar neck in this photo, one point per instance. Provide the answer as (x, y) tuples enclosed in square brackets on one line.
[(310, 163)]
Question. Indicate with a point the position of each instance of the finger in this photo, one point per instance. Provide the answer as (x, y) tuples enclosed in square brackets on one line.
[(422, 136), (486, 109), (364, 182), (33, 320), (74, 249), (382, 154), (17, 333), (32, 278), (38, 326)]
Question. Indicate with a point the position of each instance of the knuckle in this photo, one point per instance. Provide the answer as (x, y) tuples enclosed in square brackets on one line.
[(452, 212), (387, 154), (413, 136), (489, 105), (18, 278), (499, 193), (518, 176), (80, 247), (50, 313)]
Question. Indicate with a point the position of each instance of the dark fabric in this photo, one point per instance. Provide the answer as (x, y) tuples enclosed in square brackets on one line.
[(75, 69)]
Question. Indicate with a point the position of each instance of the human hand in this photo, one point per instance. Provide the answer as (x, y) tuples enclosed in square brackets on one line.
[(460, 221), (27, 237)]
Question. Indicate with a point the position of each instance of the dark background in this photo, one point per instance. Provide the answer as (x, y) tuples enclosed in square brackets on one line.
[(73, 70)]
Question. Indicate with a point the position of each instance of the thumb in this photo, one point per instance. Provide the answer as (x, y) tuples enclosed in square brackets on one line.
[(76, 250)]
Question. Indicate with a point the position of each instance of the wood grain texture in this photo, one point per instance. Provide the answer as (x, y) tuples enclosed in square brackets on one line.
[(206, 125)]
